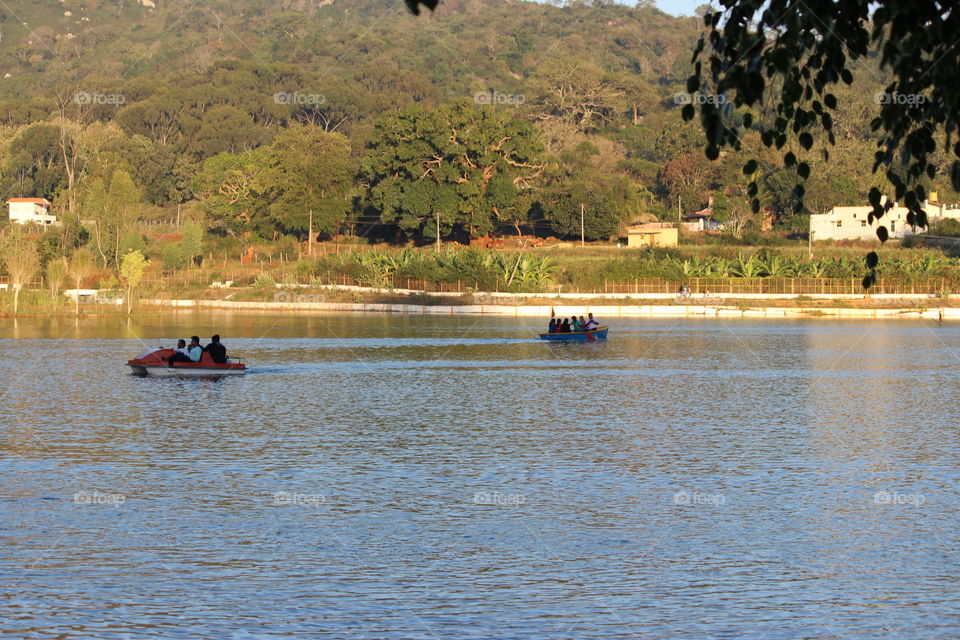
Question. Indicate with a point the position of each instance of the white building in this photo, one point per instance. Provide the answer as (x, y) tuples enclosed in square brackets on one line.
[(851, 223), (27, 210)]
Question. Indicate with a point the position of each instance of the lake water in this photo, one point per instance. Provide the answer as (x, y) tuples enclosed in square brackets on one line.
[(415, 477)]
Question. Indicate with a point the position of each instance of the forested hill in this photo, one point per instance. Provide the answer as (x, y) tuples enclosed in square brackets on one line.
[(161, 91), (363, 56)]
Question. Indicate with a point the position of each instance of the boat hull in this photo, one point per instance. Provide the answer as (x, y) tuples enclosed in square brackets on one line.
[(156, 363), (181, 370), (578, 336)]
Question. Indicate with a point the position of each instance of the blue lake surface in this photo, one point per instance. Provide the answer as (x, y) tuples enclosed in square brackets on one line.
[(418, 477)]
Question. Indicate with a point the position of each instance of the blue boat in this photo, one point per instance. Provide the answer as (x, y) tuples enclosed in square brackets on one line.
[(600, 333)]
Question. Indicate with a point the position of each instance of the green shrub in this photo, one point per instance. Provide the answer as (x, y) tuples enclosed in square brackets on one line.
[(264, 280), (305, 270), (946, 227), (175, 256)]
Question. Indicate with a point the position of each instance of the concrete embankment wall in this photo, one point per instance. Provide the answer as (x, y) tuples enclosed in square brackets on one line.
[(603, 312)]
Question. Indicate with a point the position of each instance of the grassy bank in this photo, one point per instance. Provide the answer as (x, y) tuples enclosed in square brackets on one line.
[(710, 270), (593, 269)]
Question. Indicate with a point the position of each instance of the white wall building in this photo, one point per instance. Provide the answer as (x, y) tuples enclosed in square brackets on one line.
[(851, 223), (30, 210)]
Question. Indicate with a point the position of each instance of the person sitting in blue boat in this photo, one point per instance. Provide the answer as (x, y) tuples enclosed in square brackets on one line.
[(575, 325), (565, 326), (591, 323), (553, 326), (583, 324)]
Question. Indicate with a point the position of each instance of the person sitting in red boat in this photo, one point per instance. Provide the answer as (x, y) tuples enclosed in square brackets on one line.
[(194, 352), (182, 348), (218, 352)]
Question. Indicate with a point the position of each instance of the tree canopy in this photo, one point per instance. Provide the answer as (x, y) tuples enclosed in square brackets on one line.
[(776, 69), (237, 111), (460, 165)]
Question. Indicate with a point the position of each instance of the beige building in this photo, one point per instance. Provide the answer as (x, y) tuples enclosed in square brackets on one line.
[(652, 234), (852, 223), (30, 210)]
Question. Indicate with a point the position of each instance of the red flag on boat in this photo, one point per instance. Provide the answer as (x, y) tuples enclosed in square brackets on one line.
[(551, 312)]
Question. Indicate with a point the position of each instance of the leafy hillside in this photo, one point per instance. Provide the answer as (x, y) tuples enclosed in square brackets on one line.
[(270, 115)]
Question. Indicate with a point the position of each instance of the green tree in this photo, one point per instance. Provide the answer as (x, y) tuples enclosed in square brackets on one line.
[(178, 255), (459, 165), (192, 240), (34, 166), (576, 91), (93, 207), (226, 129), (20, 260), (114, 211), (605, 203), (778, 65), (79, 268), (56, 273), (310, 173), (132, 267), (233, 189)]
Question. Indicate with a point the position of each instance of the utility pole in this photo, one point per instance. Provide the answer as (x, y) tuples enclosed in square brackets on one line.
[(438, 232), (679, 210), (310, 230), (581, 225)]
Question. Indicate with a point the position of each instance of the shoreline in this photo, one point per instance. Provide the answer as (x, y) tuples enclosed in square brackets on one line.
[(525, 310)]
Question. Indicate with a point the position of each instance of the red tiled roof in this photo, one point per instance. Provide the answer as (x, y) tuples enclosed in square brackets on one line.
[(42, 201)]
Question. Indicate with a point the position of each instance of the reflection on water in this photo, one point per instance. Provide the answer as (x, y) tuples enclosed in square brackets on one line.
[(408, 477)]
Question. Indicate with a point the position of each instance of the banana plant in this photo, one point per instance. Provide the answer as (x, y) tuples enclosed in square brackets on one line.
[(777, 267), (750, 267), (816, 269)]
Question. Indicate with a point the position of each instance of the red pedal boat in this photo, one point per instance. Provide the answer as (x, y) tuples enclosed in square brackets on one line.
[(154, 363)]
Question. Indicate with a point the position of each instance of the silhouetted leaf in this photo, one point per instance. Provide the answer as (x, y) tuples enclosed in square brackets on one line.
[(803, 170), (872, 260), (805, 140), (882, 234), (750, 167), (687, 112), (414, 5)]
